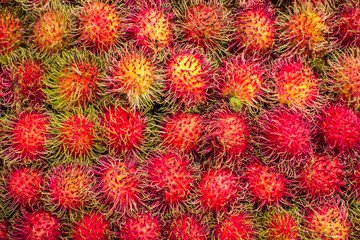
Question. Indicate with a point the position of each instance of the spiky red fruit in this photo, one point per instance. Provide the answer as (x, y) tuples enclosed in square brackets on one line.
[(151, 25), (135, 75), (241, 80), (4, 235), (228, 134), (348, 25), (322, 176), (10, 32), (296, 84), (187, 79), (254, 29), (285, 134), (219, 189), (38, 225), (236, 226), (76, 135), (170, 178), (355, 179), (142, 226), (119, 183), (267, 184), (92, 226), (281, 226), (70, 187), (123, 129), (23, 185), (100, 26), (338, 129), (182, 132), (51, 31), (6, 91), (28, 134), (328, 222), (187, 227)]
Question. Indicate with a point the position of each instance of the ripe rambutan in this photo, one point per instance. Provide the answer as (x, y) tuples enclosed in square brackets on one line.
[(51, 31), (227, 134), (348, 24), (23, 185), (100, 25), (267, 185), (38, 225), (187, 80), (119, 183), (306, 29), (4, 233), (151, 25), (182, 132), (6, 89), (170, 178), (187, 227), (241, 80), (69, 187), (285, 134), (142, 226), (134, 74), (295, 83), (322, 176), (73, 80), (11, 31), (254, 29), (123, 129), (328, 222), (236, 226), (338, 129), (219, 189), (93, 225), (26, 135)]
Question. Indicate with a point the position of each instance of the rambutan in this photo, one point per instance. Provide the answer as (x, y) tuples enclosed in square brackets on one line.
[(348, 24), (338, 129), (328, 222), (322, 176), (285, 134), (186, 227), (254, 29), (91, 226), (142, 226), (100, 25), (134, 74), (69, 187), (187, 79), (4, 233), (119, 182), (267, 185), (236, 226), (6, 89), (182, 132), (11, 31), (241, 80), (170, 178), (123, 129), (219, 189), (38, 225)]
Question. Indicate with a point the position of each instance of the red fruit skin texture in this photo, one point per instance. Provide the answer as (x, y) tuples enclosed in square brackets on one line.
[(170, 178), (285, 134), (123, 129), (266, 184), (182, 132), (143, 226), (187, 227), (10, 32), (4, 235), (218, 189), (23, 186), (6, 91), (39, 225), (238, 226), (349, 26), (282, 227), (93, 226), (322, 176), (338, 129)]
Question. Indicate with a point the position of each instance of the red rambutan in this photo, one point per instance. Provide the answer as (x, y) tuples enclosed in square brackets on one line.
[(348, 25), (187, 227), (236, 226), (4, 233), (11, 31), (91, 226)]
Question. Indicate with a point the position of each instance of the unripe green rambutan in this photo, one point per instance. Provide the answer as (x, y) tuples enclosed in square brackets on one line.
[(186, 227), (100, 25), (69, 187), (91, 226), (236, 226), (134, 74), (37, 225), (11, 31)]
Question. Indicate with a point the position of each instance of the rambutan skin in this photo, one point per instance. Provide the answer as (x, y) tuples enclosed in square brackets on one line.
[(348, 24), (11, 31), (187, 227), (91, 226), (236, 226), (4, 230), (281, 225)]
